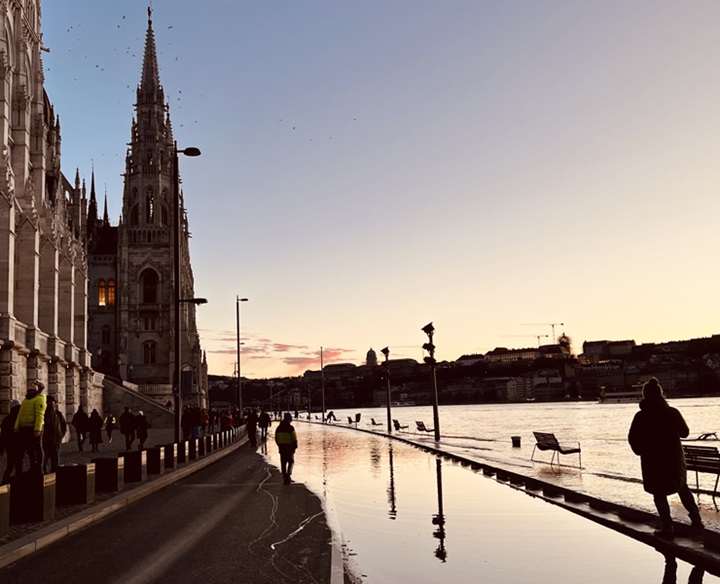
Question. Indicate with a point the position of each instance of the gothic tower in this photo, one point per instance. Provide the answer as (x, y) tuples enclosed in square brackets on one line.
[(141, 309)]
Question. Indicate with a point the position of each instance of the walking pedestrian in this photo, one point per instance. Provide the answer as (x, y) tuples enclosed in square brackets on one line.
[(655, 435), (10, 443), (80, 422), (204, 421), (127, 427), (141, 428), (251, 423), (54, 431), (286, 439), (95, 425), (264, 423), (29, 425), (110, 423)]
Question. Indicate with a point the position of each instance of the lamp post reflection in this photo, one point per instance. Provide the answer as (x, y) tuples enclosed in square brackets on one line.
[(391, 488), (439, 519), (386, 352)]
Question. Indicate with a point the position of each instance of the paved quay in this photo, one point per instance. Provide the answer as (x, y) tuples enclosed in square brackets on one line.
[(227, 512)]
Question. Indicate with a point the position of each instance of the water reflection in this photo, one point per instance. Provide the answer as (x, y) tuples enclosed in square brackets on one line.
[(670, 574), (391, 487), (439, 519)]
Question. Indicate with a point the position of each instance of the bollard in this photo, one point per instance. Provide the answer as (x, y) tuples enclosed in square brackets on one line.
[(215, 442), (192, 449), (182, 452), (75, 484), (32, 498), (171, 455), (515, 441), (155, 460), (201, 450), (109, 474), (208, 444), (135, 465), (4, 510)]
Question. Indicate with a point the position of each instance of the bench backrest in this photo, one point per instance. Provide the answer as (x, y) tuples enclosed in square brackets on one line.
[(702, 458), (546, 441), (421, 426)]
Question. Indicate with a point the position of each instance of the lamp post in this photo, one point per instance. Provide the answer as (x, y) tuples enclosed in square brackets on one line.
[(386, 352), (190, 151), (429, 329), (322, 384), (238, 400)]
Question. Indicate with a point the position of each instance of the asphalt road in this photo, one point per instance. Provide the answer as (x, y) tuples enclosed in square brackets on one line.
[(233, 521)]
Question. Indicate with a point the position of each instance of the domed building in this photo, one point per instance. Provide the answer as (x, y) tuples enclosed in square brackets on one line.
[(371, 359)]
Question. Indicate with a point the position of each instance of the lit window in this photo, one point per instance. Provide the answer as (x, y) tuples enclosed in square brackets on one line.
[(101, 293), (111, 292)]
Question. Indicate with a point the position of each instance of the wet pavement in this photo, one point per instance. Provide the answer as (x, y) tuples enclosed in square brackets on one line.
[(407, 515)]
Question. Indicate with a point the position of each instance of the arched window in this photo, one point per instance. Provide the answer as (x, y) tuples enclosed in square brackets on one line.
[(111, 293), (149, 352), (105, 331), (149, 286), (102, 294), (134, 216)]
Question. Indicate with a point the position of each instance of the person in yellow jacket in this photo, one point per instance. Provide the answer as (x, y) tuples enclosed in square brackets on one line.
[(286, 439), (29, 424)]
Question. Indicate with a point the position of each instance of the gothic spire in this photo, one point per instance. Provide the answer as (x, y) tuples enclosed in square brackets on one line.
[(150, 90), (106, 217)]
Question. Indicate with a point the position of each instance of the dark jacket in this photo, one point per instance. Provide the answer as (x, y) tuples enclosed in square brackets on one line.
[(655, 435), (95, 424), (55, 427), (286, 438), (8, 438), (127, 424), (80, 421)]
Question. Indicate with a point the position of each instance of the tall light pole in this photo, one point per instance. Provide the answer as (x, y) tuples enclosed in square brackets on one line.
[(429, 329), (238, 300), (177, 389), (322, 384), (386, 352)]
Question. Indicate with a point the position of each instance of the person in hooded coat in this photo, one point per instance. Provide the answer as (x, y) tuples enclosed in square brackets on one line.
[(29, 424), (655, 435), (286, 440), (95, 424)]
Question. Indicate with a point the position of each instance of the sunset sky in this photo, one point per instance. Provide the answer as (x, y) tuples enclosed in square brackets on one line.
[(369, 167)]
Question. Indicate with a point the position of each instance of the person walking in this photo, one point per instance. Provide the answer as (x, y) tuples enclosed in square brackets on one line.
[(264, 423), (95, 426), (10, 443), (251, 422), (127, 427), (29, 425), (54, 431), (655, 435), (286, 440), (80, 422), (141, 428), (110, 423)]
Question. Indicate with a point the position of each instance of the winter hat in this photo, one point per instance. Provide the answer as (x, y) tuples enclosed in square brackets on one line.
[(652, 388), (14, 403), (287, 417)]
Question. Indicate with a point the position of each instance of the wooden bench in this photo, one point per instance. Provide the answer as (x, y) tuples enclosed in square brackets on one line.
[(422, 427), (398, 426), (548, 441), (703, 459)]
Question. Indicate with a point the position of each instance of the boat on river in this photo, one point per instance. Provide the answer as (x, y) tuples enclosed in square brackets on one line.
[(620, 397)]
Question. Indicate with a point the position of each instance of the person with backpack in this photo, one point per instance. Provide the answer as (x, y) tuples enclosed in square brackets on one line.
[(54, 431)]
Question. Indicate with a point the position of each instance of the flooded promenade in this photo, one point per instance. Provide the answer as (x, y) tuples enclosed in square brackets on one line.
[(406, 515)]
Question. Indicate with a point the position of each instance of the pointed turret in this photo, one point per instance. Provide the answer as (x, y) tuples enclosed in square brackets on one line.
[(150, 90), (106, 217), (92, 217)]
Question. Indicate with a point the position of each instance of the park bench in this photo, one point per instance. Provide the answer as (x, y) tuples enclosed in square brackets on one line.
[(398, 426), (374, 423), (703, 459), (422, 427), (547, 441)]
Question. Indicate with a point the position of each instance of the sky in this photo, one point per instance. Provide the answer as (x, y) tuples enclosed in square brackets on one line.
[(369, 167)]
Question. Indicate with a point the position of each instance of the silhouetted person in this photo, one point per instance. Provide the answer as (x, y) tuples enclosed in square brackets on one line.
[(10, 443), (330, 416), (286, 439), (141, 428), (655, 436), (110, 423), (127, 427), (251, 422), (29, 424), (95, 424), (670, 573), (264, 423), (54, 431), (80, 422)]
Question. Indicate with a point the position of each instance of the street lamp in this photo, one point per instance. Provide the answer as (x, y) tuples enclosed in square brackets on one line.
[(190, 151), (238, 300), (386, 352), (429, 329)]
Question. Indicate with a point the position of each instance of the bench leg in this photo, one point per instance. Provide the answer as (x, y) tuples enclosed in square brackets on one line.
[(532, 456)]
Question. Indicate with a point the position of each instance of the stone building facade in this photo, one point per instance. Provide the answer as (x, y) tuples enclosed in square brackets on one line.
[(43, 261), (132, 281)]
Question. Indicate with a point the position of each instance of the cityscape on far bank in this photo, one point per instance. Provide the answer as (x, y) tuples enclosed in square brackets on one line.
[(604, 371)]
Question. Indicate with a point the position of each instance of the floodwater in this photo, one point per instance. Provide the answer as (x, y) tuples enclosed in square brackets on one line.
[(405, 515), (610, 470)]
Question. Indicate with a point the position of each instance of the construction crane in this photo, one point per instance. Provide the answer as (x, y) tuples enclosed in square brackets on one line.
[(538, 337), (550, 324)]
